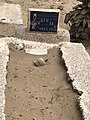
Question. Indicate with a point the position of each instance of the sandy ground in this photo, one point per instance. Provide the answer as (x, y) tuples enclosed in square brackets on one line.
[(39, 93), (9, 30)]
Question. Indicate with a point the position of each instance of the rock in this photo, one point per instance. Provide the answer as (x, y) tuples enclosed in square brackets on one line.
[(39, 62), (61, 36), (19, 46), (61, 7)]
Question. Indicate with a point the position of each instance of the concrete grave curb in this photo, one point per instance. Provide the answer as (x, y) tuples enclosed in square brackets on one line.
[(4, 58), (77, 61)]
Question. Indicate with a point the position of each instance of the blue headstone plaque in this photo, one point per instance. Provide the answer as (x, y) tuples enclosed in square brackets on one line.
[(43, 20)]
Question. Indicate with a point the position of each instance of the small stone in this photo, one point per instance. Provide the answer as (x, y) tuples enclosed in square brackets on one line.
[(19, 46), (39, 62), (61, 7), (20, 115)]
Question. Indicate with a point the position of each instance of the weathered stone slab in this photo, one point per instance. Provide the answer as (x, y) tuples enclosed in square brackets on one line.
[(37, 51), (77, 61), (61, 36), (10, 13)]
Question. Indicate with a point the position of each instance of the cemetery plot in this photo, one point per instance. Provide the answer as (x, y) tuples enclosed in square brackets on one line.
[(39, 92)]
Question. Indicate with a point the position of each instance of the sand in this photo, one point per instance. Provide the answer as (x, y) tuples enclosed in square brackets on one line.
[(10, 29), (39, 93)]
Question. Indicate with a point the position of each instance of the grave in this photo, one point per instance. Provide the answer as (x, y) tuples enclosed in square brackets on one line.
[(76, 59), (43, 20), (43, 26), (54, 93)]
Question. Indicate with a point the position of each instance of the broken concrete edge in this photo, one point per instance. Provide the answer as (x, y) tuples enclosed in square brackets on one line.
[(71, 54), (84, 103), (4, 59), (23, 44), (77, 61)]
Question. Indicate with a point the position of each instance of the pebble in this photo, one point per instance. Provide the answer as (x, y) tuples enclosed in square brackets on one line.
[(39, 62)]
